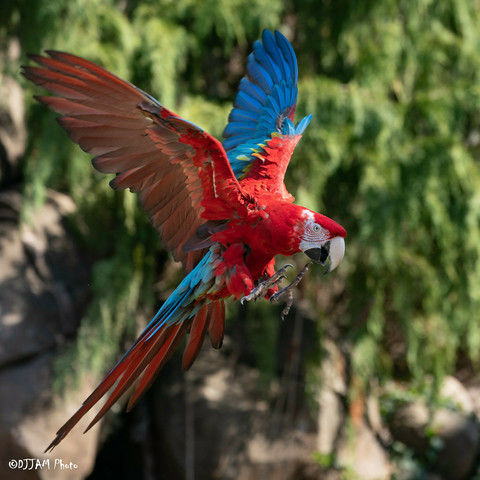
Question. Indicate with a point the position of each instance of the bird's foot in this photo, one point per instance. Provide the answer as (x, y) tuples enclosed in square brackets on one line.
[(262, 288), (288, 291)]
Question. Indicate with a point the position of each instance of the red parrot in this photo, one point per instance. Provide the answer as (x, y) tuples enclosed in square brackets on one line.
[(222, 209)]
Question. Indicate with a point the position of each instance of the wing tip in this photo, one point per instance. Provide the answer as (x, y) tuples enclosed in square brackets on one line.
[(275, 59)]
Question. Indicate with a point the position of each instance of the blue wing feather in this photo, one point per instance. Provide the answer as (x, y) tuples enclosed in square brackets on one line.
[(258, 74), (275, 53), (288, 55), (245, 102), (239, 127), (235, 141), (265, 102), (238, 115), (252, 90), (263, 58)]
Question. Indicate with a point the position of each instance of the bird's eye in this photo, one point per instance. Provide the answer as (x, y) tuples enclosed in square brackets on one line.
[(316, 227)]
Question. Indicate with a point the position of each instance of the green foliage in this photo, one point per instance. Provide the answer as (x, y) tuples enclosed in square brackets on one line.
[(398, 143)]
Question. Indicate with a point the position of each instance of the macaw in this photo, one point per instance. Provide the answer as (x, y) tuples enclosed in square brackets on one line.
[(222, 209)]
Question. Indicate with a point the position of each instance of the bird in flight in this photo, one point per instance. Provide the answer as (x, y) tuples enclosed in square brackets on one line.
[(222, 209)]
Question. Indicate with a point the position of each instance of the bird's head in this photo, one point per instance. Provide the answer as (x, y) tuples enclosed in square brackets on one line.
[(322, 239)]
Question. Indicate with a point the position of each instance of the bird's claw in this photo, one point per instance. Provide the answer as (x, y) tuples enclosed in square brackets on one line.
[(288, 291), (262, 288)]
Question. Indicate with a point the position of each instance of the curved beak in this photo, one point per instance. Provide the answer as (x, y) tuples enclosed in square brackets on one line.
[(330, 254)]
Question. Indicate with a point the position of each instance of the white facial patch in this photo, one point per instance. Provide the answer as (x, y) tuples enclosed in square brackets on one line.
[(314, 235)]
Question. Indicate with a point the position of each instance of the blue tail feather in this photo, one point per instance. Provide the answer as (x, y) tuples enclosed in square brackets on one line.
[(180, 305)]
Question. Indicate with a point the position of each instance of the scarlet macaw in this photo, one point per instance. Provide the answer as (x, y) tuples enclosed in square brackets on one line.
[(222, 209)]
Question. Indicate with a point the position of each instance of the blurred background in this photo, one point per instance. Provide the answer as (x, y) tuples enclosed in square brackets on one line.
[(374, 374)]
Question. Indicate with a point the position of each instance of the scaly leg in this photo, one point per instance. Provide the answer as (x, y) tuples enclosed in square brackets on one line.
[(288, 291), (261, 289)]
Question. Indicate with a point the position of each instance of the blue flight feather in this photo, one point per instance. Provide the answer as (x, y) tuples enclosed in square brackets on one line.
[(262, 58), (276, 55), (237, 115), (252, 90), (258, 74), (288, 55), (265, 102), (246, 102), (234, 128)]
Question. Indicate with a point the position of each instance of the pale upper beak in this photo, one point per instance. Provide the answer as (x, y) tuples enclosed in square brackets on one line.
[(330, 254)]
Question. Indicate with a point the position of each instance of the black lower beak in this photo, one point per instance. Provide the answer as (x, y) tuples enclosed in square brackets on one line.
[(319, 255)]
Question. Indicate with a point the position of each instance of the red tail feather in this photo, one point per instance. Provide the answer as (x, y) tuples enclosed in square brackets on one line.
[(157, 363), (216, 325), (195, 340), (147, 356)]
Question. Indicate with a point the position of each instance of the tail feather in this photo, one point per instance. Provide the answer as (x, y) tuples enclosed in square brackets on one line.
[(148, 355), (158, 362), (184, 310), (160, 346), (216, 324), (195, 340)]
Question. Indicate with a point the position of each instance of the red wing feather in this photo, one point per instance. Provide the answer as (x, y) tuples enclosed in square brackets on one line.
[(181, 172)]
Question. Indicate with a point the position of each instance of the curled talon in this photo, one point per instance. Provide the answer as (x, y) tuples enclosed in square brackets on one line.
[(288, 291), (287, 307), (261, 289)]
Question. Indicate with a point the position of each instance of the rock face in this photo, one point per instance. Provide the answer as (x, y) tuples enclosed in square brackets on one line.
[(43, 279), (451, 435), (329, 397), (219, 426), (365, 456), (362, 452), (42, 297)]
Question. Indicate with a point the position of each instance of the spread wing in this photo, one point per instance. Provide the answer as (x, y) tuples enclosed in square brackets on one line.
[(260, 135), (181, 173)]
